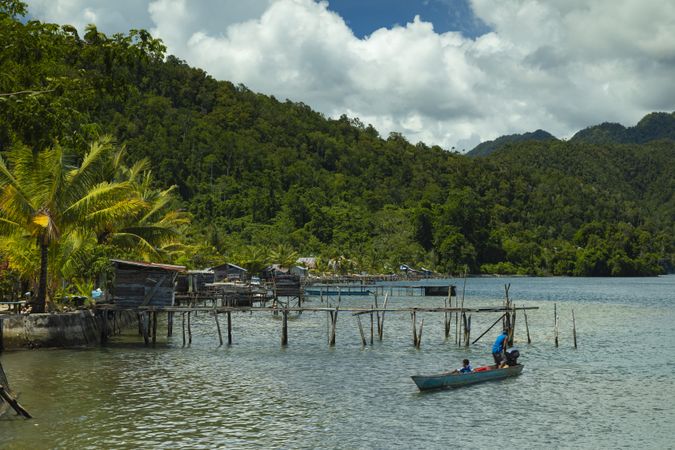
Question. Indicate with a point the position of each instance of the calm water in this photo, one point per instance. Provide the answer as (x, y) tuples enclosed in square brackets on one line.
[(616, 390)]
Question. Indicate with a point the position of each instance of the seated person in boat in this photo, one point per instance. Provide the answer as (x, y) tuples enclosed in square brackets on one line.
[(499, 347), (466, 367)]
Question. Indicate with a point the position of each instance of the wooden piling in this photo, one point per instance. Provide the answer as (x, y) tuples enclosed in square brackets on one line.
[(371, 327), (183, 316), (419, 338), (154, 327), (169, 323), (555, 323), (413, 316), (486, 331), (363, 337), (220, 335), (189, 328), (229, 328), (284, 327), (527, 328), (381, 327), (574, 329), (146, 325), (11, 401)]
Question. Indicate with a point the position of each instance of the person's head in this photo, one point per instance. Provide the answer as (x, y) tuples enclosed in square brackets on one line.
[(465, 362)]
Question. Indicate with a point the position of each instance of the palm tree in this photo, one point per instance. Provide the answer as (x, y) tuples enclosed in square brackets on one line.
[(45, 198), (154, 231), (284, 255)]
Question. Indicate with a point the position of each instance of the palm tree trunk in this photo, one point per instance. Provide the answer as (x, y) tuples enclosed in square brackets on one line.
[(41, 299)]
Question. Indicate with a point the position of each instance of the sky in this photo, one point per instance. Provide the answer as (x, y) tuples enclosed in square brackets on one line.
[(452, 73)]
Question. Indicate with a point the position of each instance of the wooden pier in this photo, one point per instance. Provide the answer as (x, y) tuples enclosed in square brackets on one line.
[(148, 317)]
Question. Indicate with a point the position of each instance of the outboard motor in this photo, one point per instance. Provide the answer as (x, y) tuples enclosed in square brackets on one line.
[(512, 357)]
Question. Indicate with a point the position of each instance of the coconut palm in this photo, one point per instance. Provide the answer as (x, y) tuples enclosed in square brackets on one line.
[(284, 255), (155, 231), (44, 197)]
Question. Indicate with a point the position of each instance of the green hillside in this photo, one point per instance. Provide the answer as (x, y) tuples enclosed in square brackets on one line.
[(488, 147), (265, 179)]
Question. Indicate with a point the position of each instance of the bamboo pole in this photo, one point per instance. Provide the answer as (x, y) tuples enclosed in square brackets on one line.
[(419, 338), (467, 331), (371, 327), (183, 323), (189, 328), (146, 319), (154, 328), (413, 316), (574, 329), (220, 334), (229, 328), (555, 323), (527, 328), (363, 337), (334, 315), (169, 323), (284, 327), (486, 331), (381, 328), (11, 401)]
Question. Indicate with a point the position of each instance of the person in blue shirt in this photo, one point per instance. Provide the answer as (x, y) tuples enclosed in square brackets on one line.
[(466, 367), (499, 347)]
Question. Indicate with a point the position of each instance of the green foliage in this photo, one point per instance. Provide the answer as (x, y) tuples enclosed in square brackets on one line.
[(265, 181)]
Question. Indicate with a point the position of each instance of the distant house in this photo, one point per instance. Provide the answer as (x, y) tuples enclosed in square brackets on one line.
[(229, 272), (144, 284), (194, 281), (407, 270), (300, 271), (307, 261)]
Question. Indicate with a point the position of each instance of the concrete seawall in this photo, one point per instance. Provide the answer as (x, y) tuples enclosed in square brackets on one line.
[(72, 329)]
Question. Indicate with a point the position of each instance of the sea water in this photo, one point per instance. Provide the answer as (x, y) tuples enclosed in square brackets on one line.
[(616, 390)]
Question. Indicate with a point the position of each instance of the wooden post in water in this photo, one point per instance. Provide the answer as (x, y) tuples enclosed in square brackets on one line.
[(220, 335), (381, 327), (11, 401), (377, 314), (574, 329), (555, 323), (154, 328), (284, 327), (183, 316), (527, 328), (229, 328), (419, 338), (139, 316), (371, 327), (512, 328), (104, 332), (169, 324), (334, 316), (413, 316), (189, 329), (146, 325), (363, 337)]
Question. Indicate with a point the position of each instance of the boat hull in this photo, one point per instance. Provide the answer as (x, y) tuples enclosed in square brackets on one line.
[(453, 380)]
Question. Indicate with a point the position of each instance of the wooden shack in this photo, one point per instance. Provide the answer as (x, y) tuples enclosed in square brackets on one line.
[(229, 272), (144, 284), (194, 281)]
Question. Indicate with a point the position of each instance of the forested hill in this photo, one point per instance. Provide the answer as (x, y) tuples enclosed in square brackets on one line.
[(488, 147), (263, 177)]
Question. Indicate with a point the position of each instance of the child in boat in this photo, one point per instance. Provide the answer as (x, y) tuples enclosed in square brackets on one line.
[(466, 367)]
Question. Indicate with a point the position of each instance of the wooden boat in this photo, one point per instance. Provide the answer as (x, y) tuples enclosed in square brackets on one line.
[(454, 379)]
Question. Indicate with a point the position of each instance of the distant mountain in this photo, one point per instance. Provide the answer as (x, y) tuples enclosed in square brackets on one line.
[(487, 147), (652, 127)]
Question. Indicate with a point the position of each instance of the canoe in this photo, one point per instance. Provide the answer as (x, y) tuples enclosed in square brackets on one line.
[(453, 380)]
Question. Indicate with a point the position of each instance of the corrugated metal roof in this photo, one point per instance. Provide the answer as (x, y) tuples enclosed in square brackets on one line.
[(150, 265)]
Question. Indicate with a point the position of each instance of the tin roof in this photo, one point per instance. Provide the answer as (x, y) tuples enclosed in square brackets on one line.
[(149, 265)]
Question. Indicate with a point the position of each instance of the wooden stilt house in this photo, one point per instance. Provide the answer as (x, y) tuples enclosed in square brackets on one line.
[(139, 284)]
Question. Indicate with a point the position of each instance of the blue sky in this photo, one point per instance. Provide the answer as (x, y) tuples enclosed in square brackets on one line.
[(448, 72), (366, 16)]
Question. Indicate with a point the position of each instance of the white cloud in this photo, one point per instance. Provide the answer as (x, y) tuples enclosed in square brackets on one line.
[(559, 65)]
